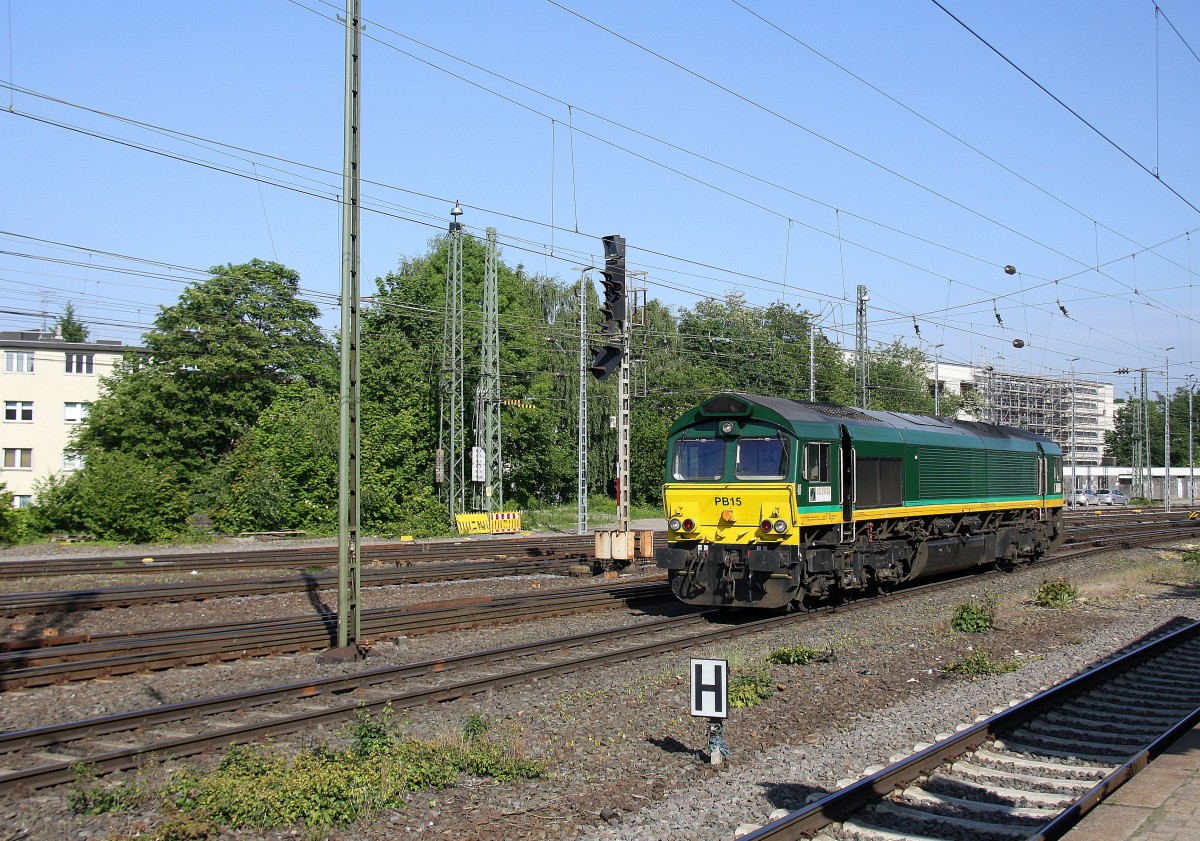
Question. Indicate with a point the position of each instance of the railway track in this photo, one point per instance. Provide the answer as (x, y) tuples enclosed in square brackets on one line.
[(528, 548), (1030, 772), (106, 655), (66, 601), (46, 756)]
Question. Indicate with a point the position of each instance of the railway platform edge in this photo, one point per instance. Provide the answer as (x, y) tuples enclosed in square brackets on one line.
[(1161, 803)]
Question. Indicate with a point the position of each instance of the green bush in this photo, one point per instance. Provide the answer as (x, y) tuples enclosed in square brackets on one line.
[(12, 520), (980, 665), (1058, 594), (263, 788), (797, 655), (90, 796), (1192, 557), (372, 734), (116, 496), (475, 726), (975, 616), (750, 690)]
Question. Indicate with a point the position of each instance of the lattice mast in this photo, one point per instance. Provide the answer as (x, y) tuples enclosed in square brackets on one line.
[(489, 385), (1146, 449), (581, 488), (861, 355), (624, 427), (1139, 473), (450, 459)]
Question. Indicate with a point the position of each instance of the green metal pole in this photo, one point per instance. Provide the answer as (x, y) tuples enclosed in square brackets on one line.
[(349, 581)]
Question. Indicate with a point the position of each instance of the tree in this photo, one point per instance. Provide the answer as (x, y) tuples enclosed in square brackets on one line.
[(284, 473), (1119, 443), (898, 382), (214, 361), (70, 329)]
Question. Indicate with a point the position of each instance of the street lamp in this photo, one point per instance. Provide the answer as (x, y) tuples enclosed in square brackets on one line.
[(1167, 427), (937, 381)]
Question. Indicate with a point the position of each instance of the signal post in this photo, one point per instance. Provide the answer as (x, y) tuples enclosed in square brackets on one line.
[(613, 356)]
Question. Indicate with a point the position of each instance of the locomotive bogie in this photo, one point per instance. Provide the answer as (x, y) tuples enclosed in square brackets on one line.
[(772, 502)]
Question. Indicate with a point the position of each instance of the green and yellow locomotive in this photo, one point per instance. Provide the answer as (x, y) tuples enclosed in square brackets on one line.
[(772, 502)]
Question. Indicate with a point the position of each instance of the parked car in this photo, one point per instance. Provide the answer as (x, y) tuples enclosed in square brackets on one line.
[(1084, 496), (1111, 496)]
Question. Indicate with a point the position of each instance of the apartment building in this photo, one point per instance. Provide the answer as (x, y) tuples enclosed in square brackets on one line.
[(46, 387)]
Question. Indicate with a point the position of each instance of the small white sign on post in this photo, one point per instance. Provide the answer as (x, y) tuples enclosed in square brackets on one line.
[(710, 688)]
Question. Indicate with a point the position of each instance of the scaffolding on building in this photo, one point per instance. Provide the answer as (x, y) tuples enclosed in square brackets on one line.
[(1068, 410)]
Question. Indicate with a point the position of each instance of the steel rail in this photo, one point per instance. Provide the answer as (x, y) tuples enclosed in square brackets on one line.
[(134, 652), (390, 553), (840, 804), (66, 601)]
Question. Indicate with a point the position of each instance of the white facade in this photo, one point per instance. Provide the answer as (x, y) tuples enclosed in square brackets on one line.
[(46, 388)]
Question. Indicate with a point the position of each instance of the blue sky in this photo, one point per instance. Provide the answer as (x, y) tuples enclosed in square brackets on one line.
[(788, 165)]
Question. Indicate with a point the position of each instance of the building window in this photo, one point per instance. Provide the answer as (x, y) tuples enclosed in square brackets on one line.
[(22, 501), (72, 461), (79, 363), (18, 410), (18, 458), (18, 361), (75, 412)]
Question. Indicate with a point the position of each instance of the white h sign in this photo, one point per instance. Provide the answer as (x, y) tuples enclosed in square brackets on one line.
[(710, 688)]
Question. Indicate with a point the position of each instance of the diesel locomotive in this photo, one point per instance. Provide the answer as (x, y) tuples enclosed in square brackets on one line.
[(774, 503)]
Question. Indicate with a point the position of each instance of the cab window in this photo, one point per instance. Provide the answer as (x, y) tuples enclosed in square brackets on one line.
[(816, 462), (699, 459), (762, 458)]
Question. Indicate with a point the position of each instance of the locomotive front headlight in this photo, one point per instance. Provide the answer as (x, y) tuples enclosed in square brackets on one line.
[(675, 524), (726, 427), (780, 527), (689, 524)]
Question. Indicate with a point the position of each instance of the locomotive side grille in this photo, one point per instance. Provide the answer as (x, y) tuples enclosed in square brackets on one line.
[(835, 411), (947, 473), (1011, 473)]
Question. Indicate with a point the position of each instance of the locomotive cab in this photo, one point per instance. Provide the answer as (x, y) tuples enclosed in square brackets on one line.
[(740, 489)]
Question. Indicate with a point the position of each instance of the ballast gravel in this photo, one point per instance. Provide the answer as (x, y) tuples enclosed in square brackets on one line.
[(624, 759)]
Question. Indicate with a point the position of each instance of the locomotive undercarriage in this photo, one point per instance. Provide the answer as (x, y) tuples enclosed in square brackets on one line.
[(840, 561)]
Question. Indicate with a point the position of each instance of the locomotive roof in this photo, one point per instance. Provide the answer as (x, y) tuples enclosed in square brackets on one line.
[(794, 411)]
